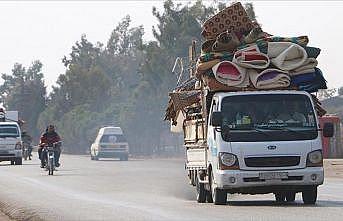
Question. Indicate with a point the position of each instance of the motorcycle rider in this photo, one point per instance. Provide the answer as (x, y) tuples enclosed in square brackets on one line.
[(48, 138), (27, 140)]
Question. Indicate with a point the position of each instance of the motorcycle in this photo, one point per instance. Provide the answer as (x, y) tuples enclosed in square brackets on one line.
[(50, 157), (26, 151)]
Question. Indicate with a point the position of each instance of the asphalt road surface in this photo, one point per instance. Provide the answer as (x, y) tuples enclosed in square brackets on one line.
[(140, 190)]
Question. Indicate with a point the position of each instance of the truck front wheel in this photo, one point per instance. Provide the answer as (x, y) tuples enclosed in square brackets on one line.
[(280, 197), (219, 196), (290, 197), (310, 195)]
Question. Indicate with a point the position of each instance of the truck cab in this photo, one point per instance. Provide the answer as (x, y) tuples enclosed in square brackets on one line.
[(10, 143), (110, 143), (258, 142)]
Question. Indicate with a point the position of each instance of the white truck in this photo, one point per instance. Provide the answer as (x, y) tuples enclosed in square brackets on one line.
[(10, 138), (255, 142)]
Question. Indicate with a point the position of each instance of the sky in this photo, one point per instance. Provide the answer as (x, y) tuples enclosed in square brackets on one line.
[(46, 30)]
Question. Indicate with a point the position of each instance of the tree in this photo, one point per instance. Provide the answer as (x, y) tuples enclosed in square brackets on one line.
[(326, 93), (340, 91), (24, 90)]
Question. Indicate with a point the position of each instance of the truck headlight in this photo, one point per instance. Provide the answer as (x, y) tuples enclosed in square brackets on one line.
[(315, 159), (228, 161)]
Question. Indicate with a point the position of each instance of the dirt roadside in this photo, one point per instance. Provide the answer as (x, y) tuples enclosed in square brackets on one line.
[(3, 217), (333, 168)]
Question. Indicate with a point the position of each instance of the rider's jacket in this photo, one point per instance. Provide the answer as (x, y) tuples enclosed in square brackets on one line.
[(49, 138)]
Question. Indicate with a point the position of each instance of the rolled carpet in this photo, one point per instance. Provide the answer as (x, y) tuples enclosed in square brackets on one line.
[(269, 78), (230, 74), (251, 59), (286, 55)]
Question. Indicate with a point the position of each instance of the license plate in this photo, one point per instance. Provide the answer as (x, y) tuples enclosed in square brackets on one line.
[(273, 175)]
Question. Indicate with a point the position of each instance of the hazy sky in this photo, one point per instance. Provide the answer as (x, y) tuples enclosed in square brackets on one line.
[(47, 30)]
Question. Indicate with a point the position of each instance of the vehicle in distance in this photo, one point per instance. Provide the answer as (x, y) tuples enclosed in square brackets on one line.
[(10, 143), (110, 143)]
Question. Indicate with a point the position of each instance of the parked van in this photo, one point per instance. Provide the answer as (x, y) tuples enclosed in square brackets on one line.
[(110, 143), (10, 143)]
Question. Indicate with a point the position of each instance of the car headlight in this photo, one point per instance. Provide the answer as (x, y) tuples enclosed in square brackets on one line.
[(228, 161), (18, 146), (315, 159)]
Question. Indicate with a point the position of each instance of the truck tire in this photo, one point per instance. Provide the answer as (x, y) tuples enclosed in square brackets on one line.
[(201, 191), (219, 196), (309, 195), (12, 162), (290, 197), (280, 197), (19, 161)]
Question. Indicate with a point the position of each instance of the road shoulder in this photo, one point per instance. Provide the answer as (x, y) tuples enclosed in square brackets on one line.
[(333, 168)]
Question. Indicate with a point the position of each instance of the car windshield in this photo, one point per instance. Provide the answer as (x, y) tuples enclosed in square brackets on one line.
[(268, 112), (9, 131)]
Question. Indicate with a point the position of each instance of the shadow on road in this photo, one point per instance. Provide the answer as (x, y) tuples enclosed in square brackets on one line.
[(118, 160), (320, 203)]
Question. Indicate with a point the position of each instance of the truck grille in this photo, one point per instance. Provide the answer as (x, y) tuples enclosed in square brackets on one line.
[(281, 161)]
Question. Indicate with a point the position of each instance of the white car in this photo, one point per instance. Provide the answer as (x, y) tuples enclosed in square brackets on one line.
[(110, 143), (10, 143)]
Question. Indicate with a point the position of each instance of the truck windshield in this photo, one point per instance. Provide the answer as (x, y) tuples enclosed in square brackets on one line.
[(9, 131), (268, 117)]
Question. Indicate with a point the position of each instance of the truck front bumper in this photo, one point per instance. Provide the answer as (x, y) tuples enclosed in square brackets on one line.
[(239, 181), (8, 155)]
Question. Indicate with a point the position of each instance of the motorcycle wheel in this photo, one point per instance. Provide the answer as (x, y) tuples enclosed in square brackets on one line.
[(51, 166), (25, 155)]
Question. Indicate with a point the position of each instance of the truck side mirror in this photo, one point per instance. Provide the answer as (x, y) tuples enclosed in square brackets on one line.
[(216, 119), (328, 130)]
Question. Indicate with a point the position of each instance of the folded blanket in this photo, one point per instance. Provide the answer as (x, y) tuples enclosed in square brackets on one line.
[(255, 34), (262, 43), (251, 58), (230, 74), (307, 67), (226, 41), (310, 82), (206, 47), (286, 55), (312, 52), (224, 56), (202, 67), (269, 78), (301, 40)]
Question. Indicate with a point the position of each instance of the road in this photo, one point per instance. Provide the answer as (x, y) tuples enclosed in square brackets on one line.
[(139, 190)]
